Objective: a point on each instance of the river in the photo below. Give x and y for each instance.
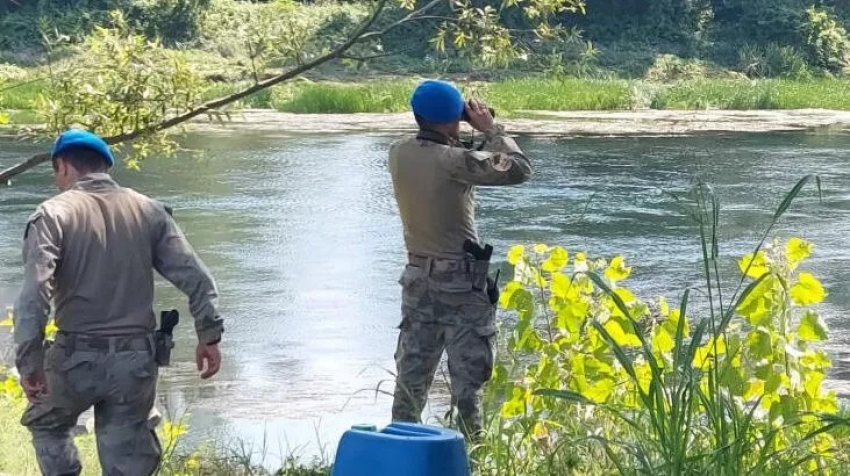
(305, 242)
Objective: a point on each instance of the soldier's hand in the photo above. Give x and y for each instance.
(479, 115)
(35, 387)
(210, 355)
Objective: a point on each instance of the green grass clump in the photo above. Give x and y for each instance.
(559, 94)
(324, 98)
(20, 95)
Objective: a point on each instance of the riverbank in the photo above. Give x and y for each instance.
(549, 123)
(537, 123)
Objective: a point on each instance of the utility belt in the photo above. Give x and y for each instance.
(158, 343)
(72, 342)
(476, 263)
(438, 265)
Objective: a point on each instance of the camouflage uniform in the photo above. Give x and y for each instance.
(442, 309)
(92, 251)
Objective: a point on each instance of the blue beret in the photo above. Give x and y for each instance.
(75, 138)
(437, 101)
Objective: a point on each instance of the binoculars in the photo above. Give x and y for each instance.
(465, 117)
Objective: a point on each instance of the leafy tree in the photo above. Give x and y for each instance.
(148, 91)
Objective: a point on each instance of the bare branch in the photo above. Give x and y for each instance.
(359, 35)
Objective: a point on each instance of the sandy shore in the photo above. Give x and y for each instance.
(569, 123)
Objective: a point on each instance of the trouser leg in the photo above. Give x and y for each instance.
(126, 441)
(471, 356)
(50, 427)
(420, 346)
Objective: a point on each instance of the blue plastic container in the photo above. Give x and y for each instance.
(401, 449)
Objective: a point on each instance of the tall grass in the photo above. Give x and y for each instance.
(755, 94)
(513, 95)
(558, 94)
(374, 97)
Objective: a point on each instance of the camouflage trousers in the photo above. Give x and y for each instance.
(120, 382)
(441, 311)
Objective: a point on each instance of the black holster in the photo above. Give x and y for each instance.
(479, 267)
(164, 344)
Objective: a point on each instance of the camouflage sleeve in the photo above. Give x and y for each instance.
(501, 162)
(177, 262)
(41, 253)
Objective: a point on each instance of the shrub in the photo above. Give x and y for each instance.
(601, 381)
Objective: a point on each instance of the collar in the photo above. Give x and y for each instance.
(439, 138)
(95, 181)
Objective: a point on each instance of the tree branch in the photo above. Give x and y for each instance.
(414, 15)
(375, 56)
(359, 35)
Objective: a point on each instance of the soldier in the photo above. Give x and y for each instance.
(91, 250)
(434, 179)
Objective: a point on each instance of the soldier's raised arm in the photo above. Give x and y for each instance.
(500, 162)
(41, 255)
(177, 262)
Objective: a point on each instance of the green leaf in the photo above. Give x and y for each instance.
(571, 316)
(515, 254)
(756, 306)
(812, 327)
(813, 383)
(796, 250)
(515, 406)
(564, 395)
(808, 290)
(507, 294)
(558, 258)
(755, 388)
(621, 335)
(662, 341)
(560, 285)
(760, 344)
(617, 270)
(4, 118)
(754, 266)
(600, 390)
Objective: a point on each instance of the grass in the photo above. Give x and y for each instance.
(16, 452)
(513, 95)
(17, 457)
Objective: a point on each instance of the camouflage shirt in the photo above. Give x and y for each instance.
(435, 183)
(92, 251)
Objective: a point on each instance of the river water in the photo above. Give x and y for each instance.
(304, 240)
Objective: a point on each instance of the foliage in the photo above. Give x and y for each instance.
(772, 61)
(672, 68)
(277, 34)
(124, 83)
(601, 381)
(826, 39)
(172, 21)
